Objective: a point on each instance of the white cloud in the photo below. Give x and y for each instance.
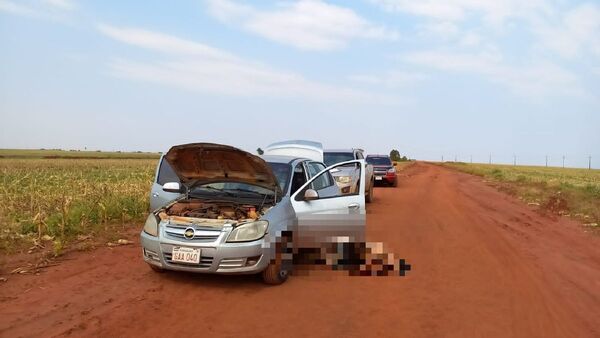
(17, 9)
(493, 12)
(197, 67)
(470, 39)
(539, 79)
(163, 43)
(441, 29)
(577, 30)
(306, 24)
(47, 9)
(392, 79)
(61, 4)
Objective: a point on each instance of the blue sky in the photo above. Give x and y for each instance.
(430, 78)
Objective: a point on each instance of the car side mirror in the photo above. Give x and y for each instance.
(311, 195)
(395, 164)
(173, 187)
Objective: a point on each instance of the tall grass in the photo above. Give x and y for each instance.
(563, 190)
(62, 198)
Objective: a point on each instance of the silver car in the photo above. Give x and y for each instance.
(235, 211)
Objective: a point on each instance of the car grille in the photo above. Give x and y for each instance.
(205, 262)
(202, 236)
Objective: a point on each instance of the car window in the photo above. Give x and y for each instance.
(166, 173)
(282, 173)
(322, 181)
(379, 160)
(331, 158)
(298, 178)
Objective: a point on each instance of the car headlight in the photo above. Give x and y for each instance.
(391, 171)
(151, 225)
(248, 231)
(343, 179)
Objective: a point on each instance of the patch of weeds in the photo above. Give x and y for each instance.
(497, 174)
(57, 247)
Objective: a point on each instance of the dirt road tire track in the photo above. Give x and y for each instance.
(483, 264)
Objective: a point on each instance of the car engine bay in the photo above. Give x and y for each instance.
(215, 210)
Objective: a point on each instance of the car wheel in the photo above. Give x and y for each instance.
(278, 270)
(369, 197)
(395, 184)
(274, 275)
(156, 268)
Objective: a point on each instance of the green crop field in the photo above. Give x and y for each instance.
(74, 154)
(63, 198)
(568, 191)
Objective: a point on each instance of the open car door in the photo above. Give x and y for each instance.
(324, 214)
(164, 173)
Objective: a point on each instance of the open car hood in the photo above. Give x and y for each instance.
(201, 163)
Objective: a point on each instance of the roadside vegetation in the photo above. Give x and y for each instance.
(402, 165)
(564, 191)
(59, 199)
(74, 154)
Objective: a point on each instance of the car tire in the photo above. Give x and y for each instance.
(273, 275)
(395, 184)
(156, 268)
(369, 197)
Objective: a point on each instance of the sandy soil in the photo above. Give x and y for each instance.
(483, 265)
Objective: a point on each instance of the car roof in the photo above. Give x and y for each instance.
(298, 142)
(281, 158)
(375, 155)
(347, 150)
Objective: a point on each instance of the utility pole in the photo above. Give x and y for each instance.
(442, 158)
(546, 161)
(590, 162)
(563, 161)
(490, 158)
(515, 160)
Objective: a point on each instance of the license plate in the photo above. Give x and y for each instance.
(185, 255)
(378, 178)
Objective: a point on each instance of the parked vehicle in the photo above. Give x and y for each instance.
(296, 148)
(234, 209)
(346, 177)
(383, 169)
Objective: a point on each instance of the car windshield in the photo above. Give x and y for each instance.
(282, 173)
(231, 188)
(381, 160)
(333, 158)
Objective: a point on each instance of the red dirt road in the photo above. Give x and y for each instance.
(483, 265)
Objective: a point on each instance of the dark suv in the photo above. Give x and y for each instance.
(383, 169)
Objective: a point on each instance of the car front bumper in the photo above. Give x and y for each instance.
(216, 257)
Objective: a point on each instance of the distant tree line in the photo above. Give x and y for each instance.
(395, 156)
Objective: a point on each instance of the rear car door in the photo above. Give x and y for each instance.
(164, 174)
